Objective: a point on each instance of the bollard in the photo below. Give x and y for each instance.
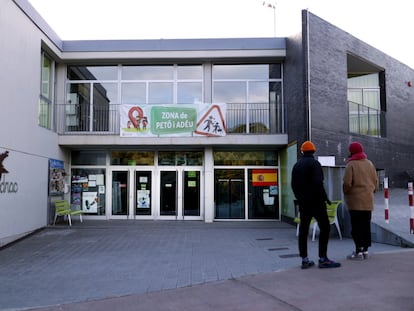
(410, 202)
(386, 211)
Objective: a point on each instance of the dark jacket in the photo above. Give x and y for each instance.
(307, 181)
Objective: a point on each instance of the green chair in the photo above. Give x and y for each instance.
(332, 210)
(296, 220)
(62, 208)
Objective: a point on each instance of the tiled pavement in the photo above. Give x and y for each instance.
(106, 259)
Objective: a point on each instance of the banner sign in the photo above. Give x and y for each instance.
(173, 120)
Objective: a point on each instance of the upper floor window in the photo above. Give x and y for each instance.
(253, 94)
(169, 84)
(46, 91)
(366, 106)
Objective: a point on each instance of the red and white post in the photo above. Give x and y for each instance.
(386, 211)
(410, 202)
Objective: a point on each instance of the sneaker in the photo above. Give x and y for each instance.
(307, 264)
(365, 254)
(356, 256)
(327, 263)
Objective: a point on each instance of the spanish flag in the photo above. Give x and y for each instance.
(264, 177)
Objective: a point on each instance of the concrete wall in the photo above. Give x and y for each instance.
(29, 145)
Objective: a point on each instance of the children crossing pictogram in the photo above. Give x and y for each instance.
(212, 123)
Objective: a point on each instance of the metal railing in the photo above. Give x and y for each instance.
(364, 120)
(241, 118)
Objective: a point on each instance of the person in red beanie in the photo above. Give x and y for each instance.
(359, 185)
(307, 185)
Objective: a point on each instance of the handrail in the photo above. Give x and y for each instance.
(241, 118)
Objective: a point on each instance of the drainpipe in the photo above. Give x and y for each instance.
(308, 98)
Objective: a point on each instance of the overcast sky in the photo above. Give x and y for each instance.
(386, 25)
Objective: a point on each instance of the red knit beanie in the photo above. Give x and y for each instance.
(356, 147)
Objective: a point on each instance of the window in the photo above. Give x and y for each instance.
(46, 92)
(364, 105)
(244, 158)
(169, 84)
(253, 97)
(366, 97)
(91, 107)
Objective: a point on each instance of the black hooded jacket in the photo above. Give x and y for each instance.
(307, 181)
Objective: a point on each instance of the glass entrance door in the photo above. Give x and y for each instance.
(191, 193)
(229, 194)
(168, 193)
(120, 195)
(143, 193)
(180, 194)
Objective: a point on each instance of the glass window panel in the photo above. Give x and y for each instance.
(372, 99)
(275, 71)
(189, 92)
(258, 92)
(276, 112)
(229, 92)
(134, 93)
(92, 72)
(258, 107)
(166, 158)
(236, 158)
(190, 72)
(229, 196)
(263, 199)
(44, 113)
(374, 122)
(364, 81)
(236, 118)
(132, 158)
(363, 120)
(364, 104)
(46, 93)
(353, 117)
(105, 96)
(46, 90)
(85, 190)
(160, 93)
(355, 95)
(181, 158)
(234, 95)
(241, 72)
(77, 110)
(88, 157)
(147, 72)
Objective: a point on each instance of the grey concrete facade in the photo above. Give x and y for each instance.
(322, 68)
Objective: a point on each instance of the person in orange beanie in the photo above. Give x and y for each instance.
(307, 185)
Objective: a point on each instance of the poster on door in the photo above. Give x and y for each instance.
(89, 202)
(173, 120)
(143, 198)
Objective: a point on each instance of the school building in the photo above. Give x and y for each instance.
(189, 129)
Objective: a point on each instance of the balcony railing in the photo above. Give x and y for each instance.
(364, 120)
(251, 118)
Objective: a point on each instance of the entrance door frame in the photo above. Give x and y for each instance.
(131, 192)
(180, 192)
(156, 192)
